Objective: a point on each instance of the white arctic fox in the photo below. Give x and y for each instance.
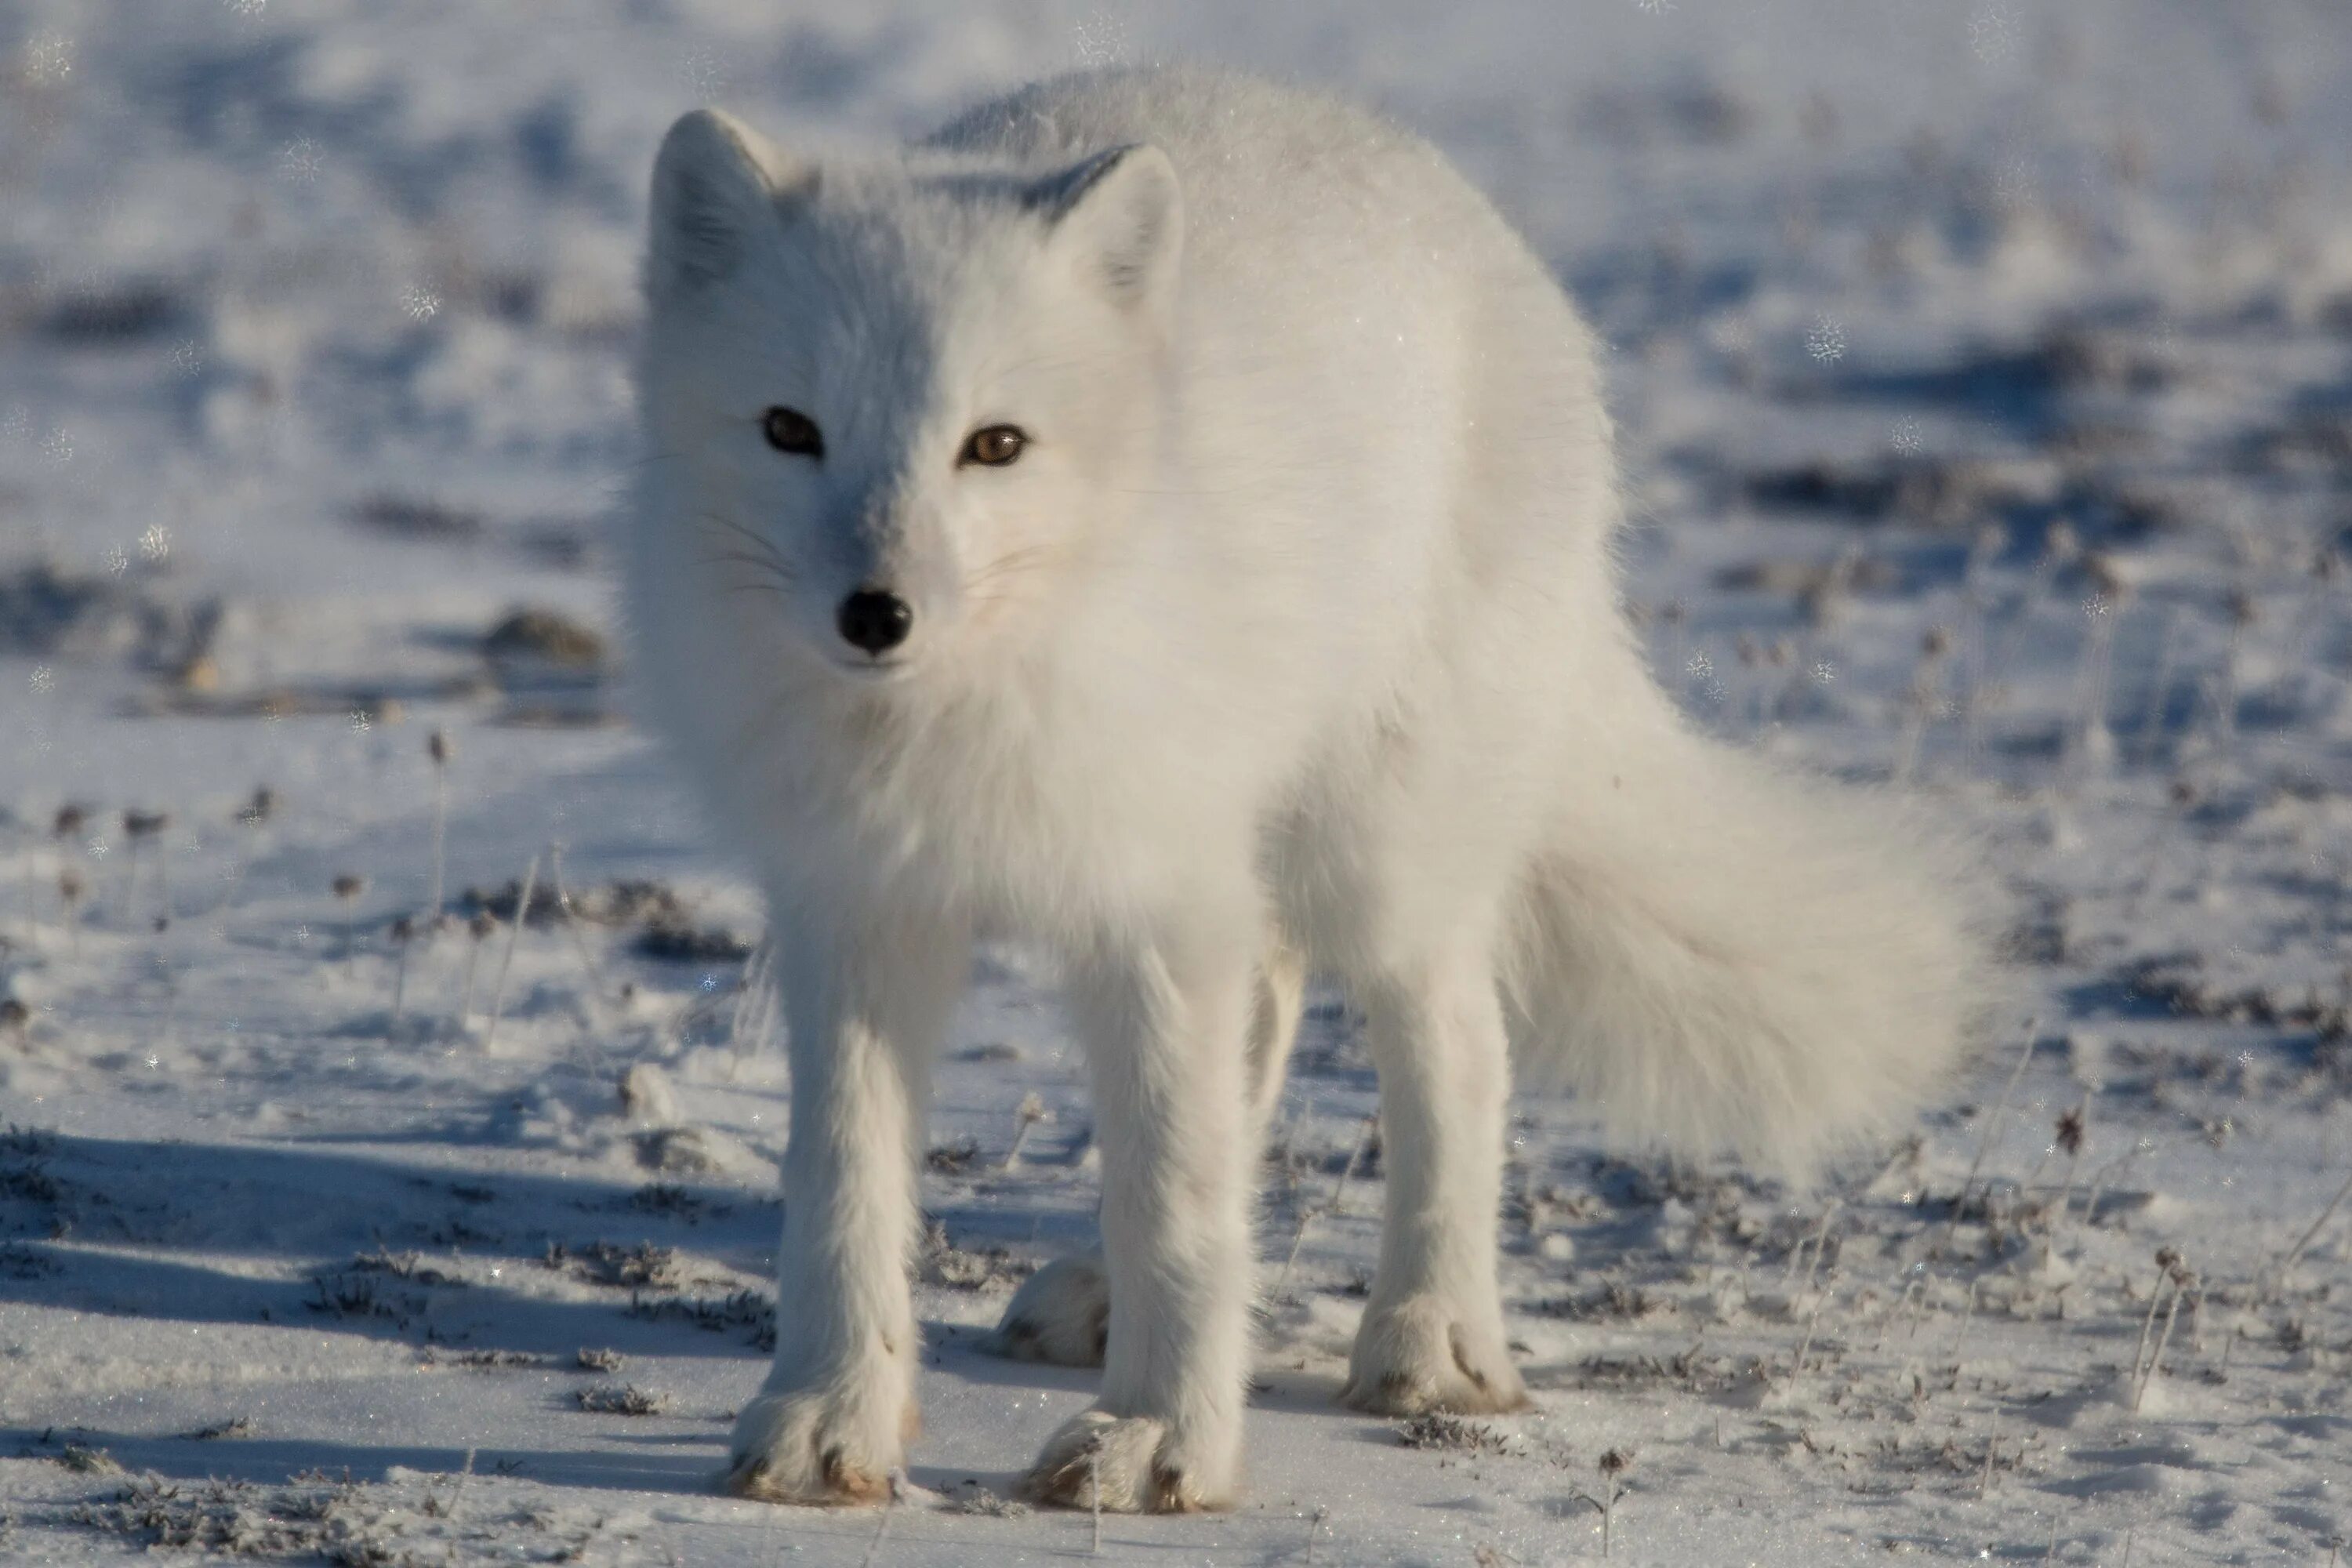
(1168, 517)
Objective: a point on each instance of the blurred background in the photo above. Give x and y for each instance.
(314, 317)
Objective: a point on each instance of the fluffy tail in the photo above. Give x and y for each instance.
(1726, 953)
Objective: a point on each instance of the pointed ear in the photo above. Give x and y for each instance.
(1119, 216)
(716, 181)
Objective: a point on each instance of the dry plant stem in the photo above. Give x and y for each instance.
(1338, 1192)
(2295, 1252)
(2225, 694)
(433, 904)
(1355, 1155)
(2066, 1192)
(2146, 1329)
(1314, 1523)
(1992, 1126)
(2107, 1173)
(741, 1024)
(32, 898)
(571, 924)
(1973, 633)
(2164, 1338)
(1968, 1317)
(2160, 688)
(1797, 1367)
(2043, 570)
(1093, 1489)
(2098, 659)
(889, 1507)
(1902, 1299)
(466, 1003)
(1820, 1243)
(1918, 703)
(130, 883)
(1290, 1141)
(514, 936)
(1919, 1306)
(399, 983)
(1030, 1111)
(1306, 1212)
(2152, 717)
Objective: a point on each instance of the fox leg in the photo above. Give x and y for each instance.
(1166, 1022)
(866, 1008)
(1061, 1314)
(1433, 1338)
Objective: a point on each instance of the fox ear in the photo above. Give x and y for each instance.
(1120, 217)
(716, 181)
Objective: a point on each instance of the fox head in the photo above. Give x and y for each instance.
(889, 402)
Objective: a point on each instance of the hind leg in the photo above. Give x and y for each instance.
(1061, 1314)
(1432, 1337)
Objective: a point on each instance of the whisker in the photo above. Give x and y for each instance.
(766, 547)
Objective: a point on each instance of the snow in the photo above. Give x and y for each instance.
(313, 323)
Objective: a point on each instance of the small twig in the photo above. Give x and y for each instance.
(2179, 1289)
(1919, 1305)
(1030, 1111)
(1613, 1464)
(1967, 1317)
(1797, 1367)
(480, 927)
(403, 930)
(1821, 1241)
(437, 747)
(1992, 1126)
(2147, 1331)
(514, 936)
(2295, 1252)
(1355, 1155)
(571, 924)
(2176, 1274)
(464, 1475)
(1094, 1487)
(889, 1505)
(70, 891)
(1306, 1216)
(2160, 687)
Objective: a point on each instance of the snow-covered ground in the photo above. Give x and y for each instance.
(1985, 371)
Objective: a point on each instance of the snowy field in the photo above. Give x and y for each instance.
(1985, 375)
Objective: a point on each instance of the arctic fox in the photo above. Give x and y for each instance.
(1168, 516)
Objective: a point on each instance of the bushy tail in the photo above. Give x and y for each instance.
(1728, 954)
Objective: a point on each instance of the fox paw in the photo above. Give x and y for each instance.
(818, 1447)
(1420, 1355)
(1060, 1315)
(1128, 1464)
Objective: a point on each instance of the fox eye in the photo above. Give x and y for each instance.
(993, 446)
(790, 430)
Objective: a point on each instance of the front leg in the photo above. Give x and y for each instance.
(1433, 1336)
(1061, 1314)
(1165, 1022)
(866, 1004)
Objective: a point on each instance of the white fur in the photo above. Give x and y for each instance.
(1292, 640)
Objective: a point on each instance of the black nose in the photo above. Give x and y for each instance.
(875, 620)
